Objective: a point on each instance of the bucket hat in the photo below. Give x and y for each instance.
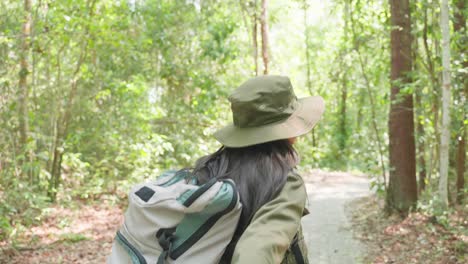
(265, 109)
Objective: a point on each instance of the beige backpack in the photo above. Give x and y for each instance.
(174, 220)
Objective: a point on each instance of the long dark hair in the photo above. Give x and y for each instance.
(259, 171)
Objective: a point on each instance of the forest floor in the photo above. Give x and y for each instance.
(81, 234)
(418, 238)
(347, 218)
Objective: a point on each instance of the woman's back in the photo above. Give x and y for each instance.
(259, 172)
(258, 155)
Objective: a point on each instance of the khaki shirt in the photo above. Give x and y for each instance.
(273, 226)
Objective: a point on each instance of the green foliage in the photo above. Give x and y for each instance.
(21, 205)
(152, 79)
(148, 78)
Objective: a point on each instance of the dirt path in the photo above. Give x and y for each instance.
(327, 227)
(84, 234)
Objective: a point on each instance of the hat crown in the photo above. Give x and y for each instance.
(262, 100)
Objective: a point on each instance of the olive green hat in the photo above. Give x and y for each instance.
(265, 109)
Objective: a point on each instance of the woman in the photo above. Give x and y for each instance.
(258, 155)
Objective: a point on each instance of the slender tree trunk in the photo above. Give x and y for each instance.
(461, 167)
(55, 112)
(62, 129)
(359, 115)
(56, 147)
(445, 135)
(255, 36)
(255, 45)
(344, 85)
(371, 100)
(23, 88)
(245, 14)
(342, 130)
(374, 118)
(459, 27)
(435, 94)
(307, 48)
(307, 54)
(264, 28)
(420, 132)
(402, 190)
(421, 144)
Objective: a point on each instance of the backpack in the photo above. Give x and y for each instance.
(174, 220)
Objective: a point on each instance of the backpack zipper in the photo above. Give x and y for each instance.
(192, 198)
(133, 252)
(177, 252)
(175, 178)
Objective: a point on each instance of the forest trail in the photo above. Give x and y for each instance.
(327, 227)
(84, 234)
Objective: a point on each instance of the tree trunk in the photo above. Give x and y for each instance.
(307, 54)
(264, 29)
(253, 4)
(307, 48)
(255, 37)
(246, 14)
(459, 27)
(342, 123)
(402, 189)
(362, 64)
(23, 88)
(420, 132)
(359, 115)
(435, 102)
(421, 144)
(62, 128)
(461, 166)
(344, 87)
(445, 135)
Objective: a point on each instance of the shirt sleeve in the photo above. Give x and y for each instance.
(273, 226)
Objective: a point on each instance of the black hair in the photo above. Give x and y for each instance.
(259, 171)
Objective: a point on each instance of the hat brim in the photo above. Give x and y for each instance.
(308, 112)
